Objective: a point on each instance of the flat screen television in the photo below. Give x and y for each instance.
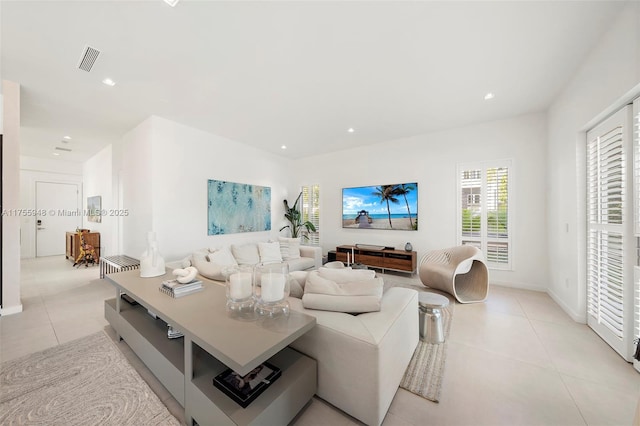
(381, 207)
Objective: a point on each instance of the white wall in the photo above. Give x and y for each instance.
(431, 161)
(611, 70)
(166, 166)
(132, 160)
(11, 198)
(98, 180)
(34, 170)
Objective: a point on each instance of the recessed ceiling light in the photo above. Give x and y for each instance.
(171, 3)
(67, 138)
(351, 130)
(489, 96)
(283, 147)
(55, 153)
(109, 82)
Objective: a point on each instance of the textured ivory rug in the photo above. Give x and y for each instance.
(84, 382)
(424, 374)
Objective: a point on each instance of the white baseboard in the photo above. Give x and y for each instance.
(581, 318)
(518, 286)
(11, 310)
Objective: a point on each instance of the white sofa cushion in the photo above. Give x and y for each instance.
(355, 287)
(336, 303)
(296, 283)
(341, 275)
(300, 264)
(269, 252)
(246, 254)
(357, 296)
(213, 265)
(289, 247)
(222, 256)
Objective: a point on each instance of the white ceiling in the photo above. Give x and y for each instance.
(298, 73)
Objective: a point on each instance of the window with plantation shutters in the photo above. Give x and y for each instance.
(484, 216)
(609, 276)
(311, 212)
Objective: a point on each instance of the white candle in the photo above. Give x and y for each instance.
(272, 287)
(240, 285)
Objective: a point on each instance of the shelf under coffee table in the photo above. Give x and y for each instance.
(212, 342)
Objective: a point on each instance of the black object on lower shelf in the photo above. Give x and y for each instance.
(245, 389)
(128, 298)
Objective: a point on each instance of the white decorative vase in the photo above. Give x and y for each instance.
(271, 287)
(240, 294)
(151, 263)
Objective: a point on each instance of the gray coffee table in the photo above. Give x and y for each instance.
(212, 342)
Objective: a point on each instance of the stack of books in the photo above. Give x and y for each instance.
(244, 389)
(175, 289)
(172, 333)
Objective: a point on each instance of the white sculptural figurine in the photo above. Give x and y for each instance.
(151, 263)
(185, 275)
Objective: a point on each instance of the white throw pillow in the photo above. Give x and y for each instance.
(346, 304)
(359, 296)
(364, 287)
(246, 254)
(222, 256)
(270, 252)
(289, 248)
(213, 265)
(342, 275)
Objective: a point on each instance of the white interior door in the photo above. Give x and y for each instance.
(56, 200)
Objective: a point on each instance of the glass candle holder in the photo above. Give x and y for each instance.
(240, 299)
(271, 288)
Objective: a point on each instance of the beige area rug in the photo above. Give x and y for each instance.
(425, 372)
(84, 382)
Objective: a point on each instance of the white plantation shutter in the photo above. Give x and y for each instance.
(636, 221)
(311, 212)
(497, 184)
(636, 168)
(484, 217)
(609, 283)
(636, 308)
(471, 202)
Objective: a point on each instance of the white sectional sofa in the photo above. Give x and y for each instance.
(362, 358)
(211, 262)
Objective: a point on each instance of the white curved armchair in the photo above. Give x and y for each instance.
(460, 271)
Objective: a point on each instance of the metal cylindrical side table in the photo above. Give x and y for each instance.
(430, 314)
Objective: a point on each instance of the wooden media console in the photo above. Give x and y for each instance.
(393, 260)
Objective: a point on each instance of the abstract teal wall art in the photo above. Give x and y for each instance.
(237, 207)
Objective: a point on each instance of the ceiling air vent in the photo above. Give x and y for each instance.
(63, 149)
(88, 58)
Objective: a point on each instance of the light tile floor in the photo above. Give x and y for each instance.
(517, 359)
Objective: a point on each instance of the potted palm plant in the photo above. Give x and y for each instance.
(297, 227)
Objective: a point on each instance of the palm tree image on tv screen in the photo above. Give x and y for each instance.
(381, 207)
